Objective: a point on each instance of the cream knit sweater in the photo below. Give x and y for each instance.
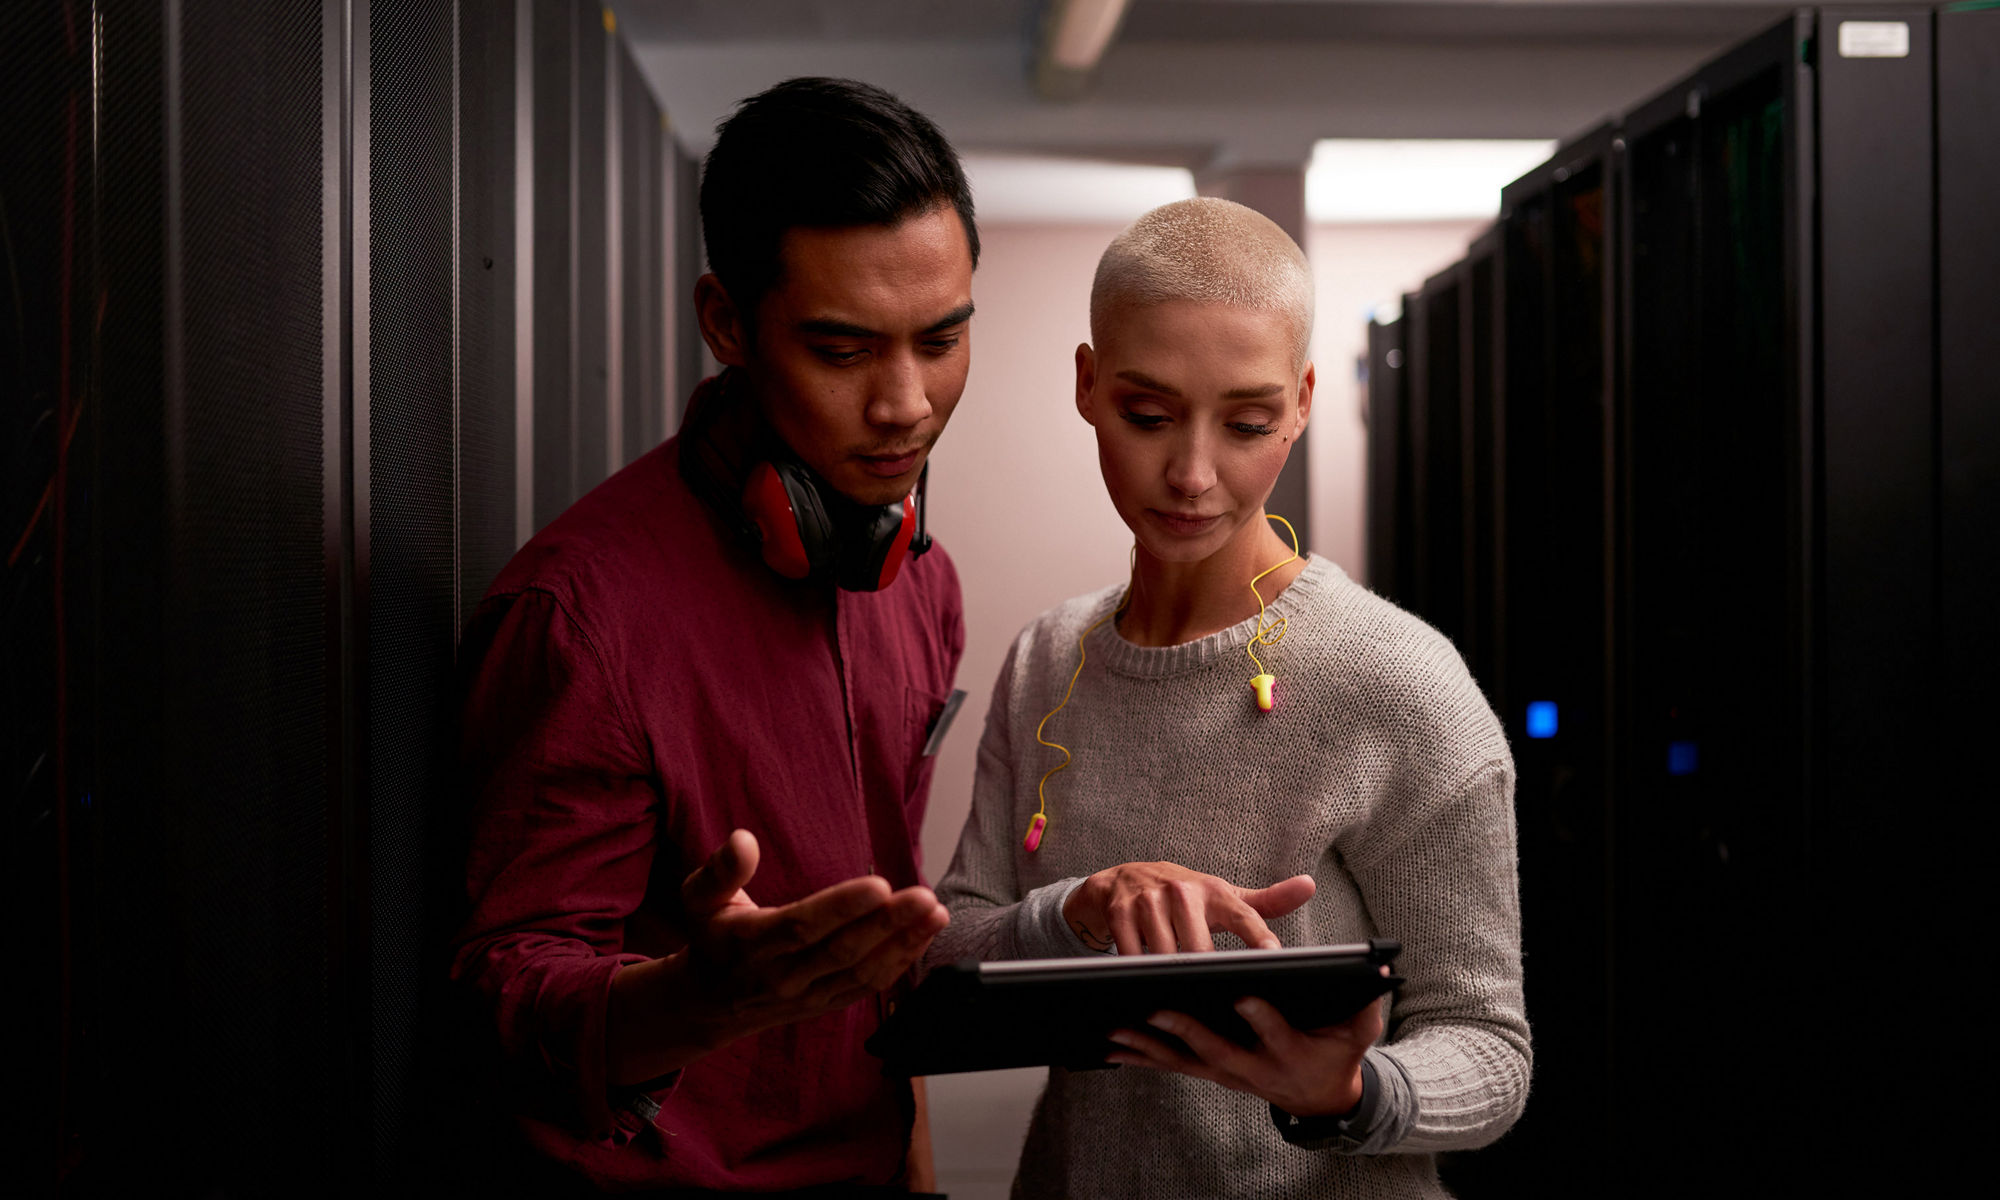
(1382, 773)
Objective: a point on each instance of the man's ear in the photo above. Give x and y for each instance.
(722, 325)
(1086, 379)
(1305, 402)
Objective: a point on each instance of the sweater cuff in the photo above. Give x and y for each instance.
(1331, 1132)
(1378, 1122)
(1039, 928)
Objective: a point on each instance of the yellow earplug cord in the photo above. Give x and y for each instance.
(1273, 633)
(1266, 635)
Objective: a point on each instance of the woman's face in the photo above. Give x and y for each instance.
(1195, 407)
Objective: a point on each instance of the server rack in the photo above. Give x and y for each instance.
(1717, 480)
(1780, 545)
(1481, 464)
(1559, 297)
(1745, 459)
(274, 324)
(1392, 544)
(1481, 461)
(1968, 177)
(1437, 451)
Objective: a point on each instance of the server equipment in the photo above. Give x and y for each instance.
(1392, 543)
(1558, 285)
(1434, 457)
(285, 280)
(1745, 463)
(1481, 461)
(1437, 446)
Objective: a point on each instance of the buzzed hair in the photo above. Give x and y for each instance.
(1207, 250)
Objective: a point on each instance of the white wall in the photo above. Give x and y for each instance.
(1015, 493)
(1018, 502)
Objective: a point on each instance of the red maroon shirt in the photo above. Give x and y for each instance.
(641, 685)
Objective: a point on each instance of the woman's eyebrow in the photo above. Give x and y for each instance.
(1151, 384)
(1262, 391)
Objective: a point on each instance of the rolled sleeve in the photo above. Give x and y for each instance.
(561, 838)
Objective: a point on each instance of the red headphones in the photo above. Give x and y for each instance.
(802, 527)
(805, 528)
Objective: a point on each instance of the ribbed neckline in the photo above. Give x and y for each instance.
(1158, 662)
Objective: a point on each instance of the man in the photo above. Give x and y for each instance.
(697, 782)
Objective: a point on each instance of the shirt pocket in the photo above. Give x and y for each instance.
(922, 707)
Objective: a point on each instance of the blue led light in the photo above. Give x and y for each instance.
(1541, 718)
(1683, 758)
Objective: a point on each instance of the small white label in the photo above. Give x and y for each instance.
(1874, 39)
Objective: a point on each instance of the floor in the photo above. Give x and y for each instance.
(977, 1123)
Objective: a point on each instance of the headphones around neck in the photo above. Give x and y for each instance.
(806, 529)
(802, 527)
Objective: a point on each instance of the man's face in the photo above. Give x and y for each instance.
(860, 351)
(1196, 407)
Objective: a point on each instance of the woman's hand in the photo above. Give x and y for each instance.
(1308, 1073)
(1161, 907)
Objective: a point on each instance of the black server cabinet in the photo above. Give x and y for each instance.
(640, 404)
(1437, 452)
(1558, 307)
(1745, 477)
(1481, 463)
(490, 283)
(553, 100)
(1968, 179)
(1392, 544)
(261, 439)
(590, 229)
(690, 262)
(1780, 560)
(1450, 457)
(1715, 478)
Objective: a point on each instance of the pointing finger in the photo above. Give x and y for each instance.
(1243, 921)
(1280, 898)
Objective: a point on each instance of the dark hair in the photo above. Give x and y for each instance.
(819, 153)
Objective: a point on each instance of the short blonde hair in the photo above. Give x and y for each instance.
(1207, 250)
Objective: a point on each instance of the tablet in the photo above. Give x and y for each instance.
(986, 1016)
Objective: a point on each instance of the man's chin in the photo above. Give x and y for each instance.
(864, 488)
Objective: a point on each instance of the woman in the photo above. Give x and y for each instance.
(1160, 752)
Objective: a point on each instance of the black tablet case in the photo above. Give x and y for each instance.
(1058, 1012)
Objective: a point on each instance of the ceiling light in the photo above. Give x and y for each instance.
(1358, 180)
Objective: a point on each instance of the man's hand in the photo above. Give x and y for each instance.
(1161, 907)
(1308, 1073)
(747, 968)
